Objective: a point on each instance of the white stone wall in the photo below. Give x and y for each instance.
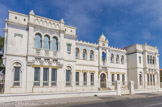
(20, 33)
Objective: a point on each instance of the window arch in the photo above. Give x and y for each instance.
(84, 54)
(54, 43)
(91, 55)
(17, 73)
(122, 59)
(112, 58)
(38, 41)
(117, 59)
(77, 53)
(68, 76)
(46, 42)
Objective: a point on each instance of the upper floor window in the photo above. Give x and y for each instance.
(122, 59)
(38, 41)
(84, 54)
(148, 59)
(77, 53)
(112, 58)
(46, 42)
(69, 48)
(153, 61)
(140, 59)
(54, 44)
(103, 56)
(91, 55)
(117, 59)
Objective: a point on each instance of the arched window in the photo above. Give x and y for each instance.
(103, 56)
(77, 53)
(68, 76)
(112, 58)
(148, 59)
(17, 74)
(153, 61)
(54, 44)
(117, 59)
(46, 42)
(91, 55)
(84, 54)
(122, 59)
(38, 41)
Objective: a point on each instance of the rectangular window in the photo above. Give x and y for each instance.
(148, 79)
(77, 78)
(77, 55)
(112, 77)
(85, 78)
(151, 79)
(17, 76)
(45, 76)
(118, 77)
(54, 77)
(154, 79)
(140, 59)
(92, 78)
(123, 79)
(69, 48)
(36, 76)
(148, 59)
(68, 78)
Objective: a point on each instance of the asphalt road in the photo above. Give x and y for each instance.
(142, 102)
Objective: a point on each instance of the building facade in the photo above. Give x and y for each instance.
(44, 55)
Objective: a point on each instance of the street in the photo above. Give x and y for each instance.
(137, 100)
(141, 102)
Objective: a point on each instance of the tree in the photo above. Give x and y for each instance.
(1, 48)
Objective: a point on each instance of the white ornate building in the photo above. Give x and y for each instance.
(43, 55)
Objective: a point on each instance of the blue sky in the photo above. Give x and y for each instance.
(124, 22)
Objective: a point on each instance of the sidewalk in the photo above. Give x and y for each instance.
(76, 100)
(42, 96)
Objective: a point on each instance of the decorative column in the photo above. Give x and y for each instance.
(41, 76)
(118, 87)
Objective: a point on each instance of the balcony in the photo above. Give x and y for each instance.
(46, 53)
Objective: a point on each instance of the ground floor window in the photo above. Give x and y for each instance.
(112, 79)
(77, 78)
(53, 77)
(16, 76)
(68, 77)
(45, 76)
(140, 79)
(148, 79)
(92, 78)
(123, 79)
(153, 79)
(85, 78)
(36, 76)
(118, 77)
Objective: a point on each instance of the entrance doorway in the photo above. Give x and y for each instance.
(103, 80)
